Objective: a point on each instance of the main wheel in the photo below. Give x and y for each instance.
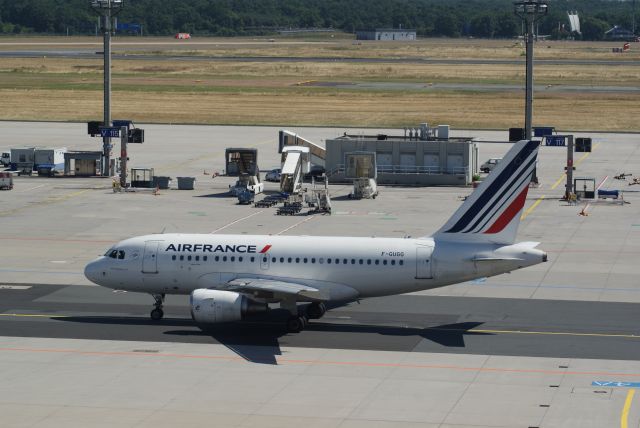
(157, 314)
(316, 310)
(296, 324)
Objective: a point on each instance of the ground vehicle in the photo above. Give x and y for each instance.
(6, 181)
(316, 171)
(22, 160)
(5, 160)
(489, 165)
(49, 161)
(246, 182)
(273, 175)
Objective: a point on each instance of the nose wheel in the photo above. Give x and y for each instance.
(157, 313)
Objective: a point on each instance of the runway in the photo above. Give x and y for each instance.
(485, 326)
(96, 53)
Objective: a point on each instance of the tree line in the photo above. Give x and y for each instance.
(430, 18)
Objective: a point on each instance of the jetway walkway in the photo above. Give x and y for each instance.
(317, 154)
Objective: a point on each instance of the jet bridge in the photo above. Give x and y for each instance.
(239, 161)
(295, 163)
(317, 154)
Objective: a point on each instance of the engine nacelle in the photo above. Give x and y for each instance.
(216, 306)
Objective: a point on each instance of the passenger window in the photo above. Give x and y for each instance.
(297, 259)
(173, 257)
(224, 258)
(289, 260)
(401, 262)
(344, 261)
(233, 259)
(328, 261)
(253, 259)
(197, 258)
(377, 261)
(181, 257)
(264, 259)
(368, 261)
(273, 259)
(337, 261)
(393, 262)
(217, 258)
(281, 259)
(313, 260)
(384, 262)
(361, 261)
(204, 258)
(189, 258)
(353, 261)
(305, 260)
(240, 259)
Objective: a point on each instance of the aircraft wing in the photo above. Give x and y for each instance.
(275, 287)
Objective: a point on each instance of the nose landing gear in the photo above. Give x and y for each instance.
(157, 313)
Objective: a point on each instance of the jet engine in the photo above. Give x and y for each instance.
(216, 306)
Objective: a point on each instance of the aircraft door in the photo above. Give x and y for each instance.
(150, 258)
(423, 263)
(264, 261)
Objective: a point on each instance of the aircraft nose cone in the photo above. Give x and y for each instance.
(91, 271)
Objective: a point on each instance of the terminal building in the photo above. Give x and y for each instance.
(422, 157)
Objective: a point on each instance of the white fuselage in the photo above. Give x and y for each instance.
(343, 268)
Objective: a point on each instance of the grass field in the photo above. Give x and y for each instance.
(276, 93)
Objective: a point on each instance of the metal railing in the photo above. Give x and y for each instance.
(409, 169)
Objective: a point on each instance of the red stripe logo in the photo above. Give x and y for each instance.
(508, 214)
(265, 249)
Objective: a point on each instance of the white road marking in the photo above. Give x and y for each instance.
(234, 222)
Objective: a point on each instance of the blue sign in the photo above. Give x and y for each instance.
(110, 132)
(612, 384)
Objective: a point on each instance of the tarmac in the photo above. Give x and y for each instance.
(555, 345)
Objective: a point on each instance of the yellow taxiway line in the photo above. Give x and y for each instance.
(624, 418)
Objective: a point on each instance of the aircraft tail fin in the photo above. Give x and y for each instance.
(491, 214)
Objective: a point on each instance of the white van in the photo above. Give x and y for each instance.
(490, 164)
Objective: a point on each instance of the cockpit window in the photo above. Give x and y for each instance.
(115, 254)
(108, 253)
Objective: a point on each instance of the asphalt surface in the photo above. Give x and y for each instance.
(93, 53)
(509, 327)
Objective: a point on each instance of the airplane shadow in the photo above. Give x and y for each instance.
(258, 341)
(222, 195)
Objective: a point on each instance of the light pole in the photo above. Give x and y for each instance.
(107, 9)
(529, 11)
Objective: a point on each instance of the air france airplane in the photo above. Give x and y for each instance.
(231, 277)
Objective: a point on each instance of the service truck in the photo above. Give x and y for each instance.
(49, 161)
(5, 160)
(22, 160)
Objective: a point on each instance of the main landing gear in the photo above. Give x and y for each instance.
(299, 320)
(157, 313)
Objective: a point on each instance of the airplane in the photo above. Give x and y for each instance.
(232, 277)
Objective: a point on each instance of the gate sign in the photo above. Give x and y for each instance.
(110, 132)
